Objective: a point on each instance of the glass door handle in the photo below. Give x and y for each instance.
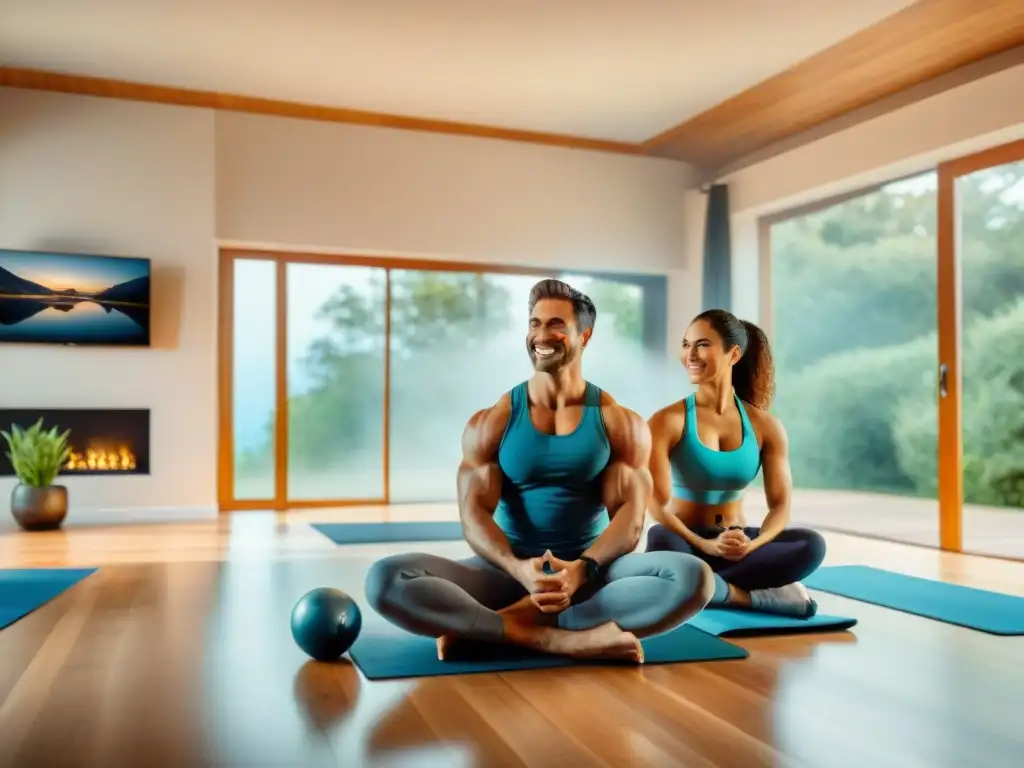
(943, 375)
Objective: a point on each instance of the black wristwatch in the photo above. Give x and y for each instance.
(594, 569)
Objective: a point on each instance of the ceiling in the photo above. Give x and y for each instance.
(622, 70)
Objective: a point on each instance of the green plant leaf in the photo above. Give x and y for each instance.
(37, 455)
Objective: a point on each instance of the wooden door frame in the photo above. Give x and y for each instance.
(225, 439)
(950, 311)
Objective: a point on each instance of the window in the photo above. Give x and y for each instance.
(990, 219)
(252, 378)
(385, 365)
(854, 303)
(335, 381)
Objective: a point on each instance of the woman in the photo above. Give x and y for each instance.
(707, 449)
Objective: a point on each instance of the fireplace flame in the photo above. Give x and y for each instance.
(121, 460)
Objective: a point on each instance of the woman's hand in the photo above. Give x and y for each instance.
(729, 545)
(735, 544)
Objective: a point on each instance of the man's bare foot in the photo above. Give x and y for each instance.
(526, 612)
(523, 612)
(607, 641)
(444, 647)
(528, 626)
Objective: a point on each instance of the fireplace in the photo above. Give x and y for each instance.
(103, 441)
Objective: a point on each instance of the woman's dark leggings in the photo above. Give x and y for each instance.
(791, 556)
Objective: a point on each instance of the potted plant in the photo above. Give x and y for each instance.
(37, 457)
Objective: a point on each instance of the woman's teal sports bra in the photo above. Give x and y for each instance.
(706, 476)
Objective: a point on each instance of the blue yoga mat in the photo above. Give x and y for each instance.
(729, 622)
(991, 612)
(381, 533)
(24, 590)
(400, 655)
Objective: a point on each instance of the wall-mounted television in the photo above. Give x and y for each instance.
(74, 298)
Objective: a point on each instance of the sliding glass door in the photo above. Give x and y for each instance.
(252, 360)
(981, 352)
(303, 370)
(350, 380)
(336, 342)
(897, 320)
(853, 297)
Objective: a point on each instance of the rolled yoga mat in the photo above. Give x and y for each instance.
(384, 533)
(991, 612)
(24, 590)
(402, 655)
(729, 622)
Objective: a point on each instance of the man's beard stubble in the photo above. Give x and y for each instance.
(559, 359)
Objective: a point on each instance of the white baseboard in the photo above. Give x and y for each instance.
(78, 516)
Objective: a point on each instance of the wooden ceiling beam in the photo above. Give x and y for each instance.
(32, 79)
(920, 43)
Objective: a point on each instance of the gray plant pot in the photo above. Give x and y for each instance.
(39, 509)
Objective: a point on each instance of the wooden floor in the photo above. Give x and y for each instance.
(178, 653)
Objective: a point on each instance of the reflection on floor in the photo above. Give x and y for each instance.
(179, 650)
(995, 531)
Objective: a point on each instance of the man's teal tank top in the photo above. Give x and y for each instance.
(551, 490)
(706, 476)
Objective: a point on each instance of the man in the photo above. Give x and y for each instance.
(553, 489)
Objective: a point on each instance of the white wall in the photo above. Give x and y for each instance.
(915, 138)
(362, 189)
(106, 176)
(121, 178)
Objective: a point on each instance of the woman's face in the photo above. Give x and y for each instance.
(703, 354)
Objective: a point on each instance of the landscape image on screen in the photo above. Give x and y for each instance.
(54, 298)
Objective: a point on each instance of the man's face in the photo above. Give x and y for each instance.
(554, 340)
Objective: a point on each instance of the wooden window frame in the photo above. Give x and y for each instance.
(227, 256)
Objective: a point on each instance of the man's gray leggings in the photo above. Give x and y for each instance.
(644, 593)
